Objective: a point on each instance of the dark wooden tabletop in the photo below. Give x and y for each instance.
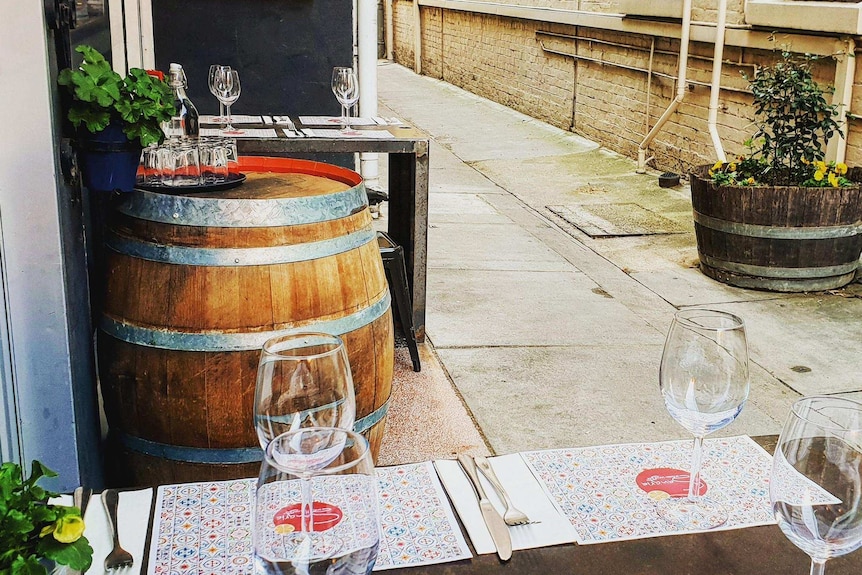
(755, 550)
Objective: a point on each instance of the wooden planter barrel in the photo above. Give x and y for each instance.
(196, 283)
(783, 238)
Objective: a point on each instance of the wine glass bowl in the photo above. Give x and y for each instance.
(816, 482)
(303, 380)
(704, 382)
(316, 504)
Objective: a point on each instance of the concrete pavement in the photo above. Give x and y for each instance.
(552, 337)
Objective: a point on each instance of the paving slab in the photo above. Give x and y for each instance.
(573, 396)
(812, 344)
(494, 308)
(462, 208)
(503, 246)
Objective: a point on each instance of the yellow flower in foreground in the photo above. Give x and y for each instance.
(717, 166)
(68, 528)
(833, 180)
(818, 175)
(841, 168)
(820, 165)
(732, 167)
(750, 181)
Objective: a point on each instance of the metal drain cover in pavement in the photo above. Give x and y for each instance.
(611, 220)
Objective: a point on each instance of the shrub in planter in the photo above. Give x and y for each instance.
(779, 217)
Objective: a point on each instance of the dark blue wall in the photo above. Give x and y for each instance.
(284, 49)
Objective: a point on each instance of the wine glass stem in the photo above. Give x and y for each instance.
(228, 127)
(221, 110)
(818, 567)
(343, 117)
(307, 506)
(694, 474)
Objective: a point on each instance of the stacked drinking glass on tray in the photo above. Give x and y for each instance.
(182, 162)
(184, 159)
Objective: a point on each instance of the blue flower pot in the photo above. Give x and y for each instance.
(109, 160)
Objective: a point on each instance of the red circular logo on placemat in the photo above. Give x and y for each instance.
(324, 516)
(674, 482)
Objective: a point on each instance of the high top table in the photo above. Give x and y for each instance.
(408, 189)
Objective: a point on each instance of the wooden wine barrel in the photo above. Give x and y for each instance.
(196, 283)
(782, 238)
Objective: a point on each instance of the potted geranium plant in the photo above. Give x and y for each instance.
(34, 532)
(779, 217)
(115, 118)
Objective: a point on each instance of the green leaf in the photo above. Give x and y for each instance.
(77, 555)
(27, 566)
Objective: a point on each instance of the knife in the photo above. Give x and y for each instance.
(80, 499)
(493, 520)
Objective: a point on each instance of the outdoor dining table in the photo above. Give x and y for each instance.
(407, 149)
(762, 550)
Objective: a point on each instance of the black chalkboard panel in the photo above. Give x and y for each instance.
(284, 50)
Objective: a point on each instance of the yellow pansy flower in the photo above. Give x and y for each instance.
(68, 528)
(833, 180)
(841, 168)
(820, 165)
(718, 165)
(818, 175)
(750, 181)
(732, 167)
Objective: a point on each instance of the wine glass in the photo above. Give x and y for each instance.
(316, 504)
(228, 94)
(816, 482)
(217, 81)
(704, 382)
(345, 86)
(303, 380)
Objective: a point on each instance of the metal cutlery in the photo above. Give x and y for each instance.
(512, 516)
(493, 520)
(80, 499)
(118, 557)
(292, 127)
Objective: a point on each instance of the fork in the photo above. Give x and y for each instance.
(118, 557)
(291, 126)
(512, 516)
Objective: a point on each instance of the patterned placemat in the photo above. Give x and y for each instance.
(606, 491)
(206, 528)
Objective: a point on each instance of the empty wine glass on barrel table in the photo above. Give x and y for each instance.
(217, 81)
(816, 482)
(345, 86)
(303, 380)
(704, 382)
(228, 93)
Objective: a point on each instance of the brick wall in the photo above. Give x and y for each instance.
(604, 93)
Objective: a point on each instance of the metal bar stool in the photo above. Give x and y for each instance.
(396, 273)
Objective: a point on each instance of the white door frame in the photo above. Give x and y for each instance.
(132, 35)
(37, 416)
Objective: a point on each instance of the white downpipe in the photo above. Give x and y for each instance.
(845, 77)
(715, 89)
(417, 38)
(680, 87)
(389, 29)
(366, 40)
